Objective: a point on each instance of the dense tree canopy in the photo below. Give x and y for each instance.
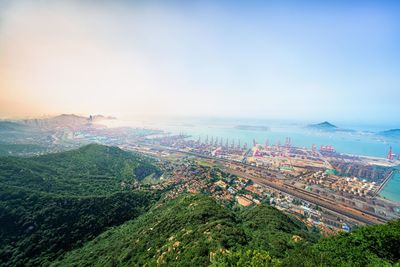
(197, 231)
(90, 170)
(188, 231)
(53, 203)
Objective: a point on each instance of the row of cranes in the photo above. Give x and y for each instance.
(234, 145)
(220, 142)
(391, 156)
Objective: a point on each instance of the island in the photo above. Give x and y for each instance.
(326, 126)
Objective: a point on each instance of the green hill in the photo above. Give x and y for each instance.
(36, 227)
(51, 204)
(90, 170)
(188, 231)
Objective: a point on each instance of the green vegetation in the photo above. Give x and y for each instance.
(38, 227)
(194, 230)
(51, 204)
(188, 231)
(271, 230)
(90, 170)
(253, 258)
(377, 245)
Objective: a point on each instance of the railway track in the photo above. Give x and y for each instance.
(329, 204)
(323, 202)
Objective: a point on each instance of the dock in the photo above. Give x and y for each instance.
(385, 181)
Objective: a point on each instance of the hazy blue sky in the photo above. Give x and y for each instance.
(281, 59)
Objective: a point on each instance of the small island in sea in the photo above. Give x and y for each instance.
(328, 127)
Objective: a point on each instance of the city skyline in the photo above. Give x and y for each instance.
(330, 61)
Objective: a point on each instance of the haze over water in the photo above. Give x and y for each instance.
(363, 141)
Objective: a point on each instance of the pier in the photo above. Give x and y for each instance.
(385, 181)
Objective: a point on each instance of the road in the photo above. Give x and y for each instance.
(327, 203)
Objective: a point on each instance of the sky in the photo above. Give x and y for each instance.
(310, 60)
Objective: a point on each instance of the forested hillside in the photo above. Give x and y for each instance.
(53, 203)
(191, 231)
(377, 245)
(90, 170)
